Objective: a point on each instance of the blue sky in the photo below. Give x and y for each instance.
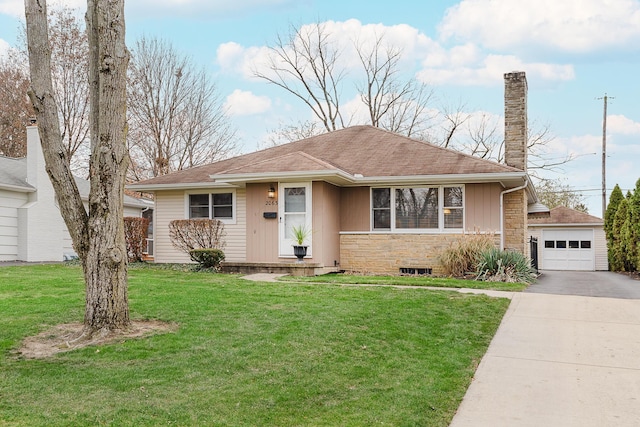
(573, 52)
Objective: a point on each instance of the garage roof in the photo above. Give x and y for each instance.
(561, 215)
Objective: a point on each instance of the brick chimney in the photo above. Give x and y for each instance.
(515, 155)
(515, 119)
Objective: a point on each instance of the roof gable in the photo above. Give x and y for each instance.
(364, 151)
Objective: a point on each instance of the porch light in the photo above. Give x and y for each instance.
(271, 193)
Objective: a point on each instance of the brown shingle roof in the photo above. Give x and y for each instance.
(365, 150)
(564, 215)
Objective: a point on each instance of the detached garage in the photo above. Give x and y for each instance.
(569, 240)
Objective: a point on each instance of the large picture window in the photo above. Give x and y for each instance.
(214, 206)
(418, 208)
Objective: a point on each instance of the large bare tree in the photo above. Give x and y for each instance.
(176, 117)
(69, 75)
(394, 104)
(306, 64)
(15, 108)
(310, 64)
(70, 68)
(98, 235)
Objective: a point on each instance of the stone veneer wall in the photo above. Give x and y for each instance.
(515, 222)
(387, 253)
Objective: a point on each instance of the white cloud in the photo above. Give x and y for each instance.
(342, 35)
(464, 64)
(578, 145)
(622, 125)
(468, 67)
(245, 103)
(237, 59)
(203, 9)
(567, 25)
(15, 8)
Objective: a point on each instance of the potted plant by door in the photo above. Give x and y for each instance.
(300, 234)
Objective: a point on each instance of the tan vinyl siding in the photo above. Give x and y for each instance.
(326, 223)
(482, 205)
(10, 201)
(171, 205)
(262, 233)
(355, 209)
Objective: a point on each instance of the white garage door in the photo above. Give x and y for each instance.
(567, 250)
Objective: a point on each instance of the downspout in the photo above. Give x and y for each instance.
(511, 190)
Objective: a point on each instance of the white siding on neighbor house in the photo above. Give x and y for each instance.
(10, 201)
(171, 205)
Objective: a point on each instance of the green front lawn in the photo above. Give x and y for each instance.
(245, 353)
(438, 282)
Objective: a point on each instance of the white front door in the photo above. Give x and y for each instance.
(294, 209)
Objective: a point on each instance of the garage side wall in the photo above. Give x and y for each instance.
(600, 241)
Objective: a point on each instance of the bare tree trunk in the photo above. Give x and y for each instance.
(99, 236)
(41, 95)
(107, 305)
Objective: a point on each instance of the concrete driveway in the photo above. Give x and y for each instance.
(562, 360)
(587, 283)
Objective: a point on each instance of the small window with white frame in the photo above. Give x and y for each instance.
(219, 205)
(453, 208)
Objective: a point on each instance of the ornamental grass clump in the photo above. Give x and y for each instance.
(504, 266)
(461, 257)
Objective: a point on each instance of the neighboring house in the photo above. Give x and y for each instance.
(31, 226)
(375, 201)
(570, 240)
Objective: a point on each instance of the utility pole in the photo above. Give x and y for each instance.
(604, 154)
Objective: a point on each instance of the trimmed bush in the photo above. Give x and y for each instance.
(461, 257)
(135, 232)
(202, 233)
(504, 266)
(207, 258)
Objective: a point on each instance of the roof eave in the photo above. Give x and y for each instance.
(339, 177)
(17, 188)
(179, 186)
(335, 176)
(506, 179)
